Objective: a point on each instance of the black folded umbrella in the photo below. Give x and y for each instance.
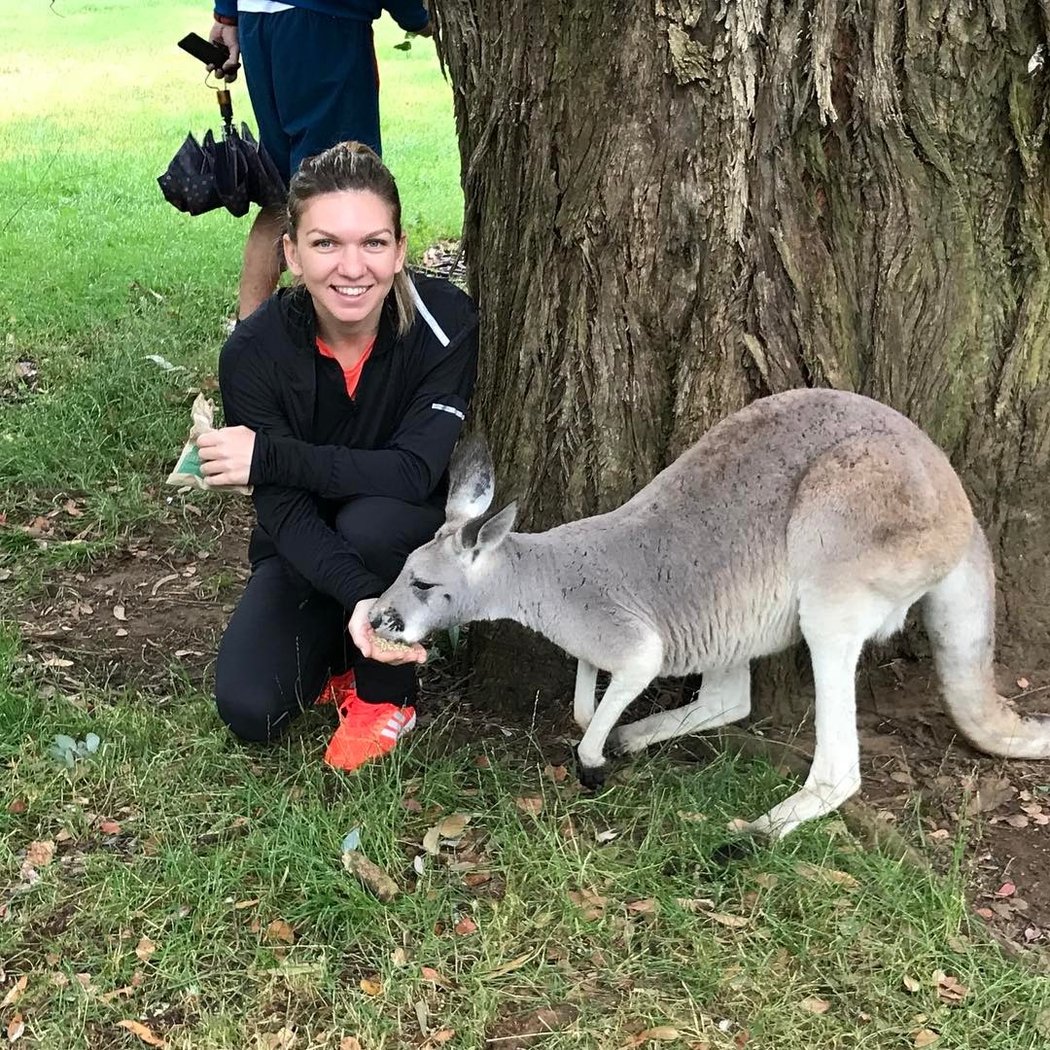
(229, 174)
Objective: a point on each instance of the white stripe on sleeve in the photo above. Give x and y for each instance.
(427, 315)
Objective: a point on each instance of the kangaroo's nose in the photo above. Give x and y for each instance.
(388, 618)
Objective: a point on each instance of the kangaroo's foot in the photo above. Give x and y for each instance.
(591, 777)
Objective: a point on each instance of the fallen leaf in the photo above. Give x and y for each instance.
(450, 828)
(811, 1004)
(1023, 683)
(643, 907)
(949, 989)
(371, 986)
(430, 974)
(606, 836)
(144, 949)
(924, 1037)
(816, 871)
(530, 804)
(15, 1028)
(39, 854)
(119, 613)
(1017, 820)
(109, 827)
(661, 1034)
(1007, 889)
(442, 1035)
(15, 992)
(466, 926)
(482, 761)
(910, 983)
(16, 806)
(349, 1042)
(57, 661)
(279, 930)
(508, 967)
(241, 905)
(735, 922)
(556, 773)
(985, 913)
(140, 1030)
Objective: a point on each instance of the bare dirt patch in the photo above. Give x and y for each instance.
(155, 611)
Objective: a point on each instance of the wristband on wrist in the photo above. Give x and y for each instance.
(225, 20)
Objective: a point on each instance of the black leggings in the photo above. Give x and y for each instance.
(286, 638)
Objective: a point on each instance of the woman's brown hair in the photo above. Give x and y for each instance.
(352, 166)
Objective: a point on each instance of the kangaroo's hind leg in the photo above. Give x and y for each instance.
(724, 697)
(835, 627)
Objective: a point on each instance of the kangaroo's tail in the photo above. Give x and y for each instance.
(960, 617)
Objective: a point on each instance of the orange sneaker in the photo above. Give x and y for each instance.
(338, 688)
(366, 731)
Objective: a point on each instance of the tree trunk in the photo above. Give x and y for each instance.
(676, 206)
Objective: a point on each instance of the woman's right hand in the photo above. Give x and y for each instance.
(364, 637)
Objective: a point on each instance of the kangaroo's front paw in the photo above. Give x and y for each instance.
(591, 777)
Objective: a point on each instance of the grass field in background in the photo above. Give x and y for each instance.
(100, 271)
(173, 888)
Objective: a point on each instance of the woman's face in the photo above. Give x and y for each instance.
(346, 254)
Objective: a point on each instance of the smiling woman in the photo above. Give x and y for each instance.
(345, 396)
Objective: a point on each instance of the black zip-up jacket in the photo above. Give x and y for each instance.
(405, 417)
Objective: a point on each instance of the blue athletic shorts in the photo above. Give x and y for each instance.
(313, 82)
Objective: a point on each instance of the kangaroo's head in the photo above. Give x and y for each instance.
(443, 582)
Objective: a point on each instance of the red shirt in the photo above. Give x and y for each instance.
(351, 375)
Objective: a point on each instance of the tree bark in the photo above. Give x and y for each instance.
(676, 206)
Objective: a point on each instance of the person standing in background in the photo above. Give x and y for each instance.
(313, 81)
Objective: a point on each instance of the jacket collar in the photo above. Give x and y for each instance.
(300, 320)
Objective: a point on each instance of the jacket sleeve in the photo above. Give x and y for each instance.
(289, 516)
(410, 15)
(413, 461)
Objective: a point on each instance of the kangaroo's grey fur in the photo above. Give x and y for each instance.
(813, 514)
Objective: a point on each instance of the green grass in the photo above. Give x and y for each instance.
(211, 843)
(630, 934)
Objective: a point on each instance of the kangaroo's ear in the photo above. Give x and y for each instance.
(470, 481)
(490, 531)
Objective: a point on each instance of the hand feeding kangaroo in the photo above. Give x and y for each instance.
(814, 514)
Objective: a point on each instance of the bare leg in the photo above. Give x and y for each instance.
(724, 697)
(262, 260)
(583, 698)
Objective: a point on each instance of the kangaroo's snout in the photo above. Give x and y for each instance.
(387, 620)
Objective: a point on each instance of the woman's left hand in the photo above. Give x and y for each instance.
(226, 455)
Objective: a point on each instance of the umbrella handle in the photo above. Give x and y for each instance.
(225, 108)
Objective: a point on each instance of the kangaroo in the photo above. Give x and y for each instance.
(815, 514)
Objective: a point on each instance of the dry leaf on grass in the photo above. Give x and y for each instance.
(735, 922)
(814, 872)
(949, 990)
(40, 854)
(371, 986)
(279, 930)
(910, 983)
(144, 949)
(660, 1034)
(137, 1028)
(811, 1004)
(441, 1036)
(924, 1037)
(15, 1028)
(466, 926)
(430, 974)
(349, 1042)
(508, 967)
(448, 829)
(530, 804)
(15, 992)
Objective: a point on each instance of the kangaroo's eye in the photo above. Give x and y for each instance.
(422, 585)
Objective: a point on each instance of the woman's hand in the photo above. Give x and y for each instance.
(364, 638)
(226, 455)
